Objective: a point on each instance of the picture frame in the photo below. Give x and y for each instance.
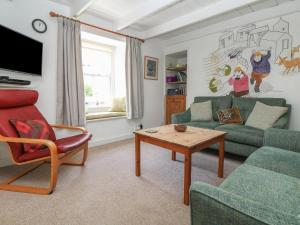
(150, 68)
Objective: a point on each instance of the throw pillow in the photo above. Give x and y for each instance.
(32, 129)
(118, 105)
(264, 116)
(228, 116)
(201, 111)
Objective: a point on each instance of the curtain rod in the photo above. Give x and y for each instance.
(53, 14)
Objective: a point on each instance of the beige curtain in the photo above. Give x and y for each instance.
(70, 86)
(134, 79)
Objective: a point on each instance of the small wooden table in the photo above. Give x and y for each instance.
(186, 143)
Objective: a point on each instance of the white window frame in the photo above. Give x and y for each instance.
(285, 41)
(106, 48)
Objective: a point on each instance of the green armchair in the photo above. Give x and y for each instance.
(265, 190)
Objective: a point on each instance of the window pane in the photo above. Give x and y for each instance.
(96, 61)
(97, 91)
(97, 78)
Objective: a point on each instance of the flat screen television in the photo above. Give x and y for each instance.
(20, 53)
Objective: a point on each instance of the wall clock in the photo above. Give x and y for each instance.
(39, 26)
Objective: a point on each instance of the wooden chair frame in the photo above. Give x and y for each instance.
(54, 159)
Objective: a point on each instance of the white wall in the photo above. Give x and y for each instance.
(153, 89)
(18, 15)
(200, 43)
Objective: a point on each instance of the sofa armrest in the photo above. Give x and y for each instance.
(283, 122)
(215, 206)
(183, 117)
(281, 138)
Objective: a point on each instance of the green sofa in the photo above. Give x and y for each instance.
(265, 190)
(240, 139)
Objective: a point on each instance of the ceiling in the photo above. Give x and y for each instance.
(166, 18)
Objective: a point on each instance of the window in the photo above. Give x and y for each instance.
(285, 44)
(103, 62)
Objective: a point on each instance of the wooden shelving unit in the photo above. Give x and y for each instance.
(175, 100)
(177, 69)
(177, 82)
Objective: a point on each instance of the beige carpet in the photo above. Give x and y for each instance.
(107, 192)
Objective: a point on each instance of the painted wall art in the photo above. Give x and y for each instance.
(245, 58)
(150, 68)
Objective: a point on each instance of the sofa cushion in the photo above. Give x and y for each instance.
(218, 103)
(201, 111)
(242, 134)
(203, 124)
(277, 160)
(269, 188)
(246, 105)
(264, 116)
(230, 116)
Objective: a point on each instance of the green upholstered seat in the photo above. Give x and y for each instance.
(265, 190)
(204, 124)
(269, 188)
(243, 134)
(276, 159)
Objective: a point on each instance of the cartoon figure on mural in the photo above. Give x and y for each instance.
(253, 50)
(261, 68)
(240, 83)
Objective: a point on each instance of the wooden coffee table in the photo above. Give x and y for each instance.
(186, 143)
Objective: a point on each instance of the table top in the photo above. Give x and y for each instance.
(190, 138)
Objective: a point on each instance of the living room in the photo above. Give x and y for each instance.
(111, 78)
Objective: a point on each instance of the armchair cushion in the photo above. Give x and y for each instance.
(32, 129)
(273, 190)
(70, 143)
(17, 98)
(63, 146)
(20, 113)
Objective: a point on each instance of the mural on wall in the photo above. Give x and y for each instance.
(242, 63)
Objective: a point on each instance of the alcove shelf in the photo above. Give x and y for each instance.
(175, 83)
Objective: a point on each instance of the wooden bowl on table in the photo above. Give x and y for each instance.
(180, 127)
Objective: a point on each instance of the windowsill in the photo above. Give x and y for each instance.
(102, 116)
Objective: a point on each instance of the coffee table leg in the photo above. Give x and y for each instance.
(173, 156)
(137, 156)
(221, 158)
(187, 177)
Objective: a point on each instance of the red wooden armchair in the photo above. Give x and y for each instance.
(19, 105)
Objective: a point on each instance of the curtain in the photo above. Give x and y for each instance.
(70, 85)
(134, 79)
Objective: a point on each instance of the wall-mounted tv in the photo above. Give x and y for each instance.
(20, 53)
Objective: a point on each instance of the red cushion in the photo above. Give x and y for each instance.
(19, 113)
(17, 98)
(70, 143)
(63, 145)
(32, 129)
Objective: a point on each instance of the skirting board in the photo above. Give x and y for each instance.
(109, 140)
(6, 161)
